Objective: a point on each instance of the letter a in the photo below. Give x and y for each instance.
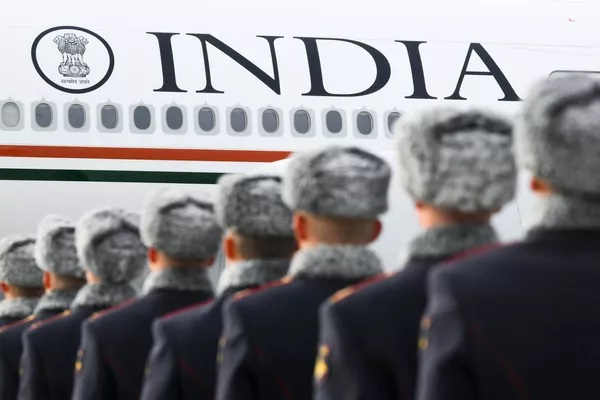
(493, 70)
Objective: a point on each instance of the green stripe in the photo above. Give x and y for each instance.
(9, 174)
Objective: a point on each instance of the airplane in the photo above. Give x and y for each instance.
(102, 103)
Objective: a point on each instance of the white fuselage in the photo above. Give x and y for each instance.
(102, 103)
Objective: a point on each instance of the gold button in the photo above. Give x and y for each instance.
(78, 366)
(423, 343)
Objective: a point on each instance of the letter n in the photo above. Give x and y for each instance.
(271, 82)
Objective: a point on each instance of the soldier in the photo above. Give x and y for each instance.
(270, 336)
(111, 252)
(258, 247)
(183, 237)
(21, 280)
(458, 168)
(522, 322)
(56, 255)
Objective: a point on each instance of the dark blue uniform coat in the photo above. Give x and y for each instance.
(116, 345)
(49, 355)
(7, 320)
(369, 334)
(271, 355)
(366, 351)
(183, 361)
(521, 322)
(11, 348)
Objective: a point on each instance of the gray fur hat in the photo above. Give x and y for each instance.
(558, 134)
(55, 249)
(17, 262)
(182, 225)
(109, 245)
(336, 181)
(458, 160)
(252, 205)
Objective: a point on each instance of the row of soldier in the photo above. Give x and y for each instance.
(303, 308)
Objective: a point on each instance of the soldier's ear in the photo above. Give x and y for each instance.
(152, 255)
(47, 280)
(539, 187)
(230, 248)
(378, 226)
(4, 287)
(300, 226)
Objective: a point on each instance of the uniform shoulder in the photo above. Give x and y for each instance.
(41, 328)
(251, 292)
(477, 251)
(100, 316)
(478, 267)
(7, 329)
(357, 291)
(182, 314)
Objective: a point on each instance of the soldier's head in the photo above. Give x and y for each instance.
(337, 195)
(258, 225)
(180, 229)
(457, 165)
(557, 138)
(56, 254)
(109, 246)
(20, 276)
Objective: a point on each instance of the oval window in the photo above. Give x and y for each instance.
(206, 119)
(142, 118)
(301, 121)
(333, 120)
(270, 121)
(364, 123)
(174, 118)
(76, 116)
(11, 115)
(109, 117)
(239, 120)
(392, 119)
(43, 115)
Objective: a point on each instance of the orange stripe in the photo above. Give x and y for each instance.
(119, 153)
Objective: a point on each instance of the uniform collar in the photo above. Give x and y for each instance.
(103, 295)
(59, 299)
(447, 240)
(335, 262)
(252, 273)
(181, 279)
(559, 213)
(17, 308)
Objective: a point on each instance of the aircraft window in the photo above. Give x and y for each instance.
(109, 117)
(174, 118)
(333, 120)
(76, 116)
(270, 121)
(301, 121)
(142, 118)
(206, 119)
(392, 119)
(43, 115)
(11, 116)
(239, 120)
(364, 123)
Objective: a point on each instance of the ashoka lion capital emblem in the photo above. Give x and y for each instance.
(72, 49)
